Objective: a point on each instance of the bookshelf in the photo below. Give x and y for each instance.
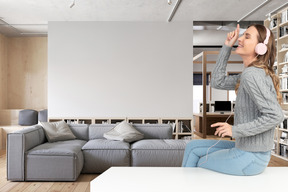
(182, 127)
(279, 26)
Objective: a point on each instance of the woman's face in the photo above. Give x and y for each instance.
(247, 42)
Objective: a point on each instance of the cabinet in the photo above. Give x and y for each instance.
(211, 118)
(278, 24)
(182, 127)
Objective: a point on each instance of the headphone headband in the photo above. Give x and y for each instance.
(267, 36)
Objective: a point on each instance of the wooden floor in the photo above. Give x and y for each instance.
(81, 185)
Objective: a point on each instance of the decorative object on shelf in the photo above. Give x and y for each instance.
(285, 97)
(273, 23)
(187, 138)
(284, 46)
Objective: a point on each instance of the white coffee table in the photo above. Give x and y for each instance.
(165, 179)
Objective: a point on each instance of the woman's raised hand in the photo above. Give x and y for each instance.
(232, 37)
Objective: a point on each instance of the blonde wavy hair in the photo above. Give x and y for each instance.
(267, 60)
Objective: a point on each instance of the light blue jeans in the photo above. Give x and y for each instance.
(224, 158)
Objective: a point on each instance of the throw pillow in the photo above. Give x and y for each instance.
(124, 132)
(57, 131)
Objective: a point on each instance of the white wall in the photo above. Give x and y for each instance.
(119, 69)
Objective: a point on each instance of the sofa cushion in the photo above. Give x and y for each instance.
(96, 144)
(58, 161)
(101, 154)
(162, 153)
(124, 132)
(60, 147)
(155, 131)
(96, 131)
(160, 144)
(80, 131)
(57, 131)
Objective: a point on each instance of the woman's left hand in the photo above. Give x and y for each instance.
(224, 129)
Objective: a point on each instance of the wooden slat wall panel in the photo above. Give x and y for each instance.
(3, 71)
(27, 73)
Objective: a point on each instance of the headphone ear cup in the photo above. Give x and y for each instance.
(261, 49)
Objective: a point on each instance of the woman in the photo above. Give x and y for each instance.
(257, 109)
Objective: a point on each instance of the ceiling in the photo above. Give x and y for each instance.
(31, 17)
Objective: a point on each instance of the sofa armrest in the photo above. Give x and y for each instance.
(18, 143)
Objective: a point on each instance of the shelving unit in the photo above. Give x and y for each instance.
(182, 127)
(279, 26)
(203, 119)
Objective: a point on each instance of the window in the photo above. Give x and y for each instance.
(197, 79)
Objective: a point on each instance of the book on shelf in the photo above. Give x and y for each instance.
(81, 122)
(283, 150)
(283, 31)
(184, 128)
(71, 121)
(285, 98)
(283, 125)
(284, 16)
(173, 125)
(187, 138)
(283, 82)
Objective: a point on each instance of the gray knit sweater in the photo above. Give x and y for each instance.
(257, 111)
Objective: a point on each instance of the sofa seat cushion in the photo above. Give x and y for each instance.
(58, 148)
(101, 154)
(160, 144)
(105, 144)
(158, 153)
(58, 161)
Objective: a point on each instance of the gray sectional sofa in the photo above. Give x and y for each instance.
(31, 158)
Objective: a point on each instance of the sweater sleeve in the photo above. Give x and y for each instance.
(219, 79)
(266, 102)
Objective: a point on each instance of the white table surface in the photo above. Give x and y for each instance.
(150, 179)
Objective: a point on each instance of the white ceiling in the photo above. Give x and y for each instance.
(32, 16)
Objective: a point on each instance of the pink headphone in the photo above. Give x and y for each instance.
(261, 48)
